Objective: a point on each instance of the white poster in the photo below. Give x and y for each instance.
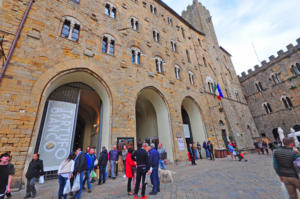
(57, 134)
(181, 144)
(186, 130)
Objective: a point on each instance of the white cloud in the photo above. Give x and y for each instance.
(269, 24)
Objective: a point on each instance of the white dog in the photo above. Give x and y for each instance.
(166, 176)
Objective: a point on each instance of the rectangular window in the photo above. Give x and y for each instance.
(104, 44)
(66, 29)
(75, 33)
(111, 47)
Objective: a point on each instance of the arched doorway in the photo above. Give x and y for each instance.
(194, 128)
(152, 120)
(276, 134)
(76, 113)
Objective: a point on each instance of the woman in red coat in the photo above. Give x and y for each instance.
(128, 171)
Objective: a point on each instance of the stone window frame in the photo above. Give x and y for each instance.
(159, 62)
(170, 20)
(267, 107)
(295, 68)
(153, 9)
(177, 70)
(188, 55)
(76, 1)
(134, 23)
(210, 84)
(259, 86)
(111, 42)
(156, 35)
(73, 23)
(110, 9)
(287, 102)
(136, 55)
(276, 78)
(174, 46)
(182, 32)
(191, 77)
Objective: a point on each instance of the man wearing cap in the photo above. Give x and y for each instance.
(154, 164)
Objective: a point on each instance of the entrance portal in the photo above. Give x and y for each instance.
(192, 121)
(70, 120)
(152, 120)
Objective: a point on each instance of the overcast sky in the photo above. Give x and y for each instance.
(269, 25)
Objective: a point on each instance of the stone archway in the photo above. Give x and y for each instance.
(152, 119)
(93, 111)
(195, 123)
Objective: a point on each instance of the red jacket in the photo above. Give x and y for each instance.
(129, 164)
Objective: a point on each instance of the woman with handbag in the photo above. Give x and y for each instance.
(65, 172)
(130, 164)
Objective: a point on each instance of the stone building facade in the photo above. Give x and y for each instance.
(272, 92)
(94, 73)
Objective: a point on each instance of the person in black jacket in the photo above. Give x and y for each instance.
(102, 162)
(143, 166)
(79, 169)
(283, 163)
(210, 147)
(35, 169)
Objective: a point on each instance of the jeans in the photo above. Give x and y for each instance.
(88, 179)
(30, 188)
(112, 168)
(207, 153)
(196, 154)
(78, 193)
(102, 174)
(211, 155)
(62, 182)
(155, 180)
(140, 175)
(162, 164)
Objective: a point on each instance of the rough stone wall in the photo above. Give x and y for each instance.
(221, 69)
(272, 93)
(42, 57)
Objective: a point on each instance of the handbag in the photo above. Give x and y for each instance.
(67, 188)
(76, 185)
(96, 162)
(41, 180)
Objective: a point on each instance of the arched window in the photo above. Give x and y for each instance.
(134, 23)
(135, 56)
(267, 107)
(159, 64)
(191, 77)
(296, 69)
(170, 21)
(156, 35)
(276, 78)
(287, 102)
(110, 10)
(210, 83)
(259, 86)
(108, 45)
(177, 72)
(70, 28)
(153, 9)
(174, 46)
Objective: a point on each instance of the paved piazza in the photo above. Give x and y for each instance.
(218, 179)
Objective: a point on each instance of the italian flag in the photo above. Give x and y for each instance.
(218, 91)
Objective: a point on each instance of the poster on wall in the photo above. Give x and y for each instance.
(57, 134)
(181, 144)
(125, 141)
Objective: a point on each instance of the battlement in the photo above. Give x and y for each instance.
(272, 59)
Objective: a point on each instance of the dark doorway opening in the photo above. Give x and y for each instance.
(275, 134)
(186, 121)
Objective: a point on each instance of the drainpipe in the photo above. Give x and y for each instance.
(13, 46)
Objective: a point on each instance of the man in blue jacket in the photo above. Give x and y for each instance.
(90, 158)
(154, 164)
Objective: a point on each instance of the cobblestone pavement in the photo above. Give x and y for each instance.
(220, 179)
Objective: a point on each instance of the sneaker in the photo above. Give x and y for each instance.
(144, 197)
(135, 197)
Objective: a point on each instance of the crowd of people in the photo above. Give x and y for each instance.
(195, 149)
(81, 169)
(263, 146)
